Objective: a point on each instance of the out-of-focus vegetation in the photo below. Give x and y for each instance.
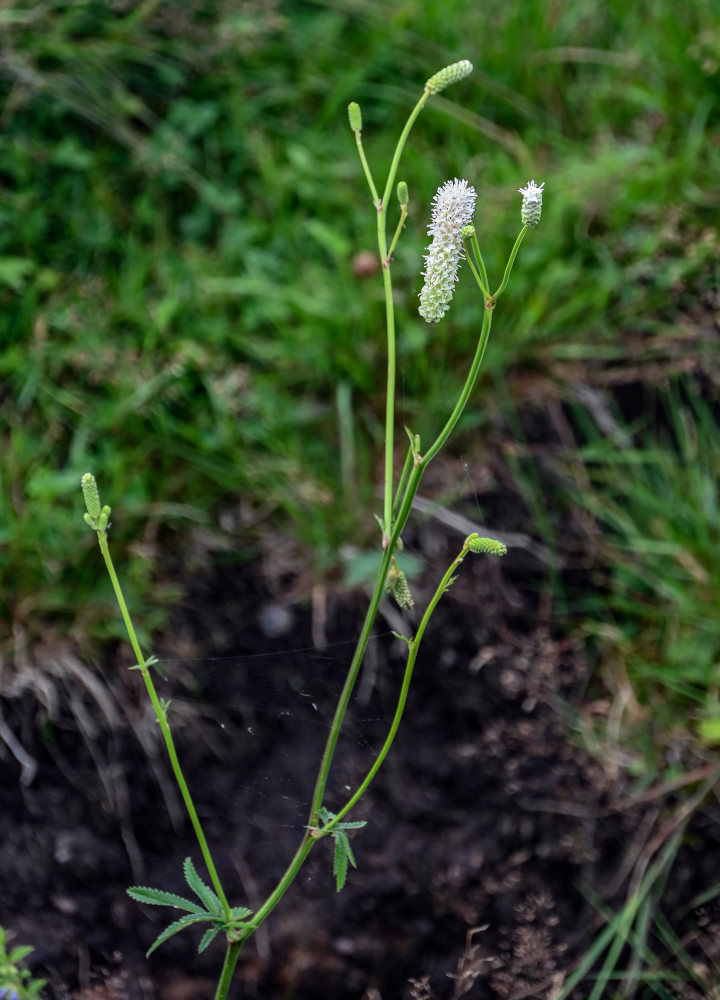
(183, 313)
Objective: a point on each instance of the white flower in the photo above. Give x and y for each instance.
(531, 204)
(452, 208)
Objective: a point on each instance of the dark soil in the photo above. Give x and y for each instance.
(486, 829)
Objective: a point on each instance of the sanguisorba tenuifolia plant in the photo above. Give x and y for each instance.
(453, 240)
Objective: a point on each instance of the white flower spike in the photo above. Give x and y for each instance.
(531, 204)
(452, 208)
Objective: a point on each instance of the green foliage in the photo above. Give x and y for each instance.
(179, 185)
(16, 982)
(343, 853)
(211, 911)
(654, 605)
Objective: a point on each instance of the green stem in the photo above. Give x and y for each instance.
(411, 489)
(357, 660)
(308, 840)
(306, 845)
(511, 261)
(162, 719)
(480, 262)
(231, 956)
(366, 168)
(403, 480)
(413, 647)
(398, 230)
(349, 685)
(467, 388)
(476, 274)
(390, 318)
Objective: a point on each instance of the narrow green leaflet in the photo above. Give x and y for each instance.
(208, 937)
(177, 925)
(211, 901)
(158, 897)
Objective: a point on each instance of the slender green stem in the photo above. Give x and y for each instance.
(308, 840)
(413, 646)
(467, 388)
(476, 274)
(165, 728)
(366, 168)
(354, 669)
(403, 480)
(306, 845)
(511, 261)
(398, 230)
(349, 685)
(390, 385)
(390, 318)
(400, 147)
(231, 956)
(480, 262)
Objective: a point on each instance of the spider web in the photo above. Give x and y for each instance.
(267, 717)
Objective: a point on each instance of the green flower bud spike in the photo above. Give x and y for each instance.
(531, 204)
(355, 116)
(402, 193)
(450, 74)
(489, 546)
(91, 495)
(96, 517)
(397, 585)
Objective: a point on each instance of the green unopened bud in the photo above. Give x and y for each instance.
(402, 193)
(397, 585)
(102, 521)
(467, 232)
(531, 204)
(490, 546)
(355, 116)
(91, 496)
(450, 74)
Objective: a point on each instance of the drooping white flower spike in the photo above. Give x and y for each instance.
(531, 204)
(452, 208)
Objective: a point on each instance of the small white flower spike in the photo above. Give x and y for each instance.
(452, 209)
(531, 204)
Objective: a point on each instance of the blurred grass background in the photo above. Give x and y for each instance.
(182, 311)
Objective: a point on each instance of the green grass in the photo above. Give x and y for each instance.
(655, 532)
(181, 205)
